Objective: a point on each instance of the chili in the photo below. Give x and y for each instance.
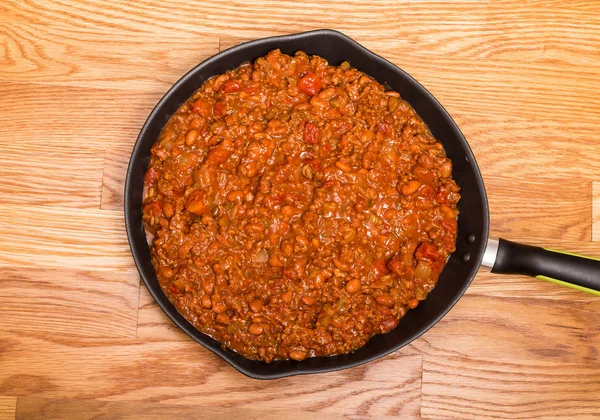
(295, 208)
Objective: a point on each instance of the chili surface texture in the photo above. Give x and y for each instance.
(295, 209)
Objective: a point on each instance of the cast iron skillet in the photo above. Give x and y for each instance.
(472, 247)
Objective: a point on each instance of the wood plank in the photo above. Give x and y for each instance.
(182, 373)
(596, 211)
(72, 118)
(8, 406)
(111, 56)
(69, 303)
(529, 207)
(517, 329)
(58, 237)
(522, 287)
(480, 29)
(52, 175)
(466, 388)
(57, 409)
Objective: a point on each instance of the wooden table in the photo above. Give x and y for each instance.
(81, 338)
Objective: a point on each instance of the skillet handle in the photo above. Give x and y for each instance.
(570, 270)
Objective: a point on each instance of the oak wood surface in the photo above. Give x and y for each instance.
(67, 409)
(8, 407)
(596, 211)
(80, 337)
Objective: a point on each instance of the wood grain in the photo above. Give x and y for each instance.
(524, 329)
(80, 338)
(109, 56)
(487, 389)
(56, 237)
(39, 179)
(596, 211)
(8, 407)
(537, 18)
(69, 303)
(57, 409)
(527, 208)
(72, 118)
(116, 161)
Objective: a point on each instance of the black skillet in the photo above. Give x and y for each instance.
(473, 248)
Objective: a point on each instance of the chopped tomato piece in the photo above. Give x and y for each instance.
(442, 195)
(311, 133)
(231, 86)
(424, 176)
(220, 109)
(220, 153)
(310, 84)
(449, 226)
(380, 267)
(203, 108)
(385, 128)
(315, 165)
(428, 251)
(196, 203)
(151, 176)
(396, 265)
(426, 192)
(153, 208)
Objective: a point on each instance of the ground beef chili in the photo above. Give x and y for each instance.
(295, 209)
